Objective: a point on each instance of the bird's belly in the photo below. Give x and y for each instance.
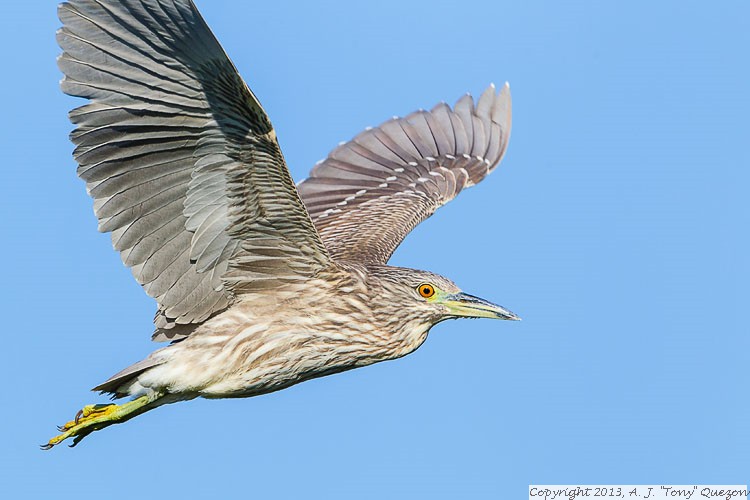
(260, 359)
(284, 363)
(259, 380)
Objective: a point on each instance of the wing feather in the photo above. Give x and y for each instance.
(180, 158)
(371, 191)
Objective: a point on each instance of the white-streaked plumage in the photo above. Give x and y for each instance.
(260, 284)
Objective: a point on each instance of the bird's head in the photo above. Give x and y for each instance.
(433, 298)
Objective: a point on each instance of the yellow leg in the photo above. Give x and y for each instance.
(94, 417)
(87, 413)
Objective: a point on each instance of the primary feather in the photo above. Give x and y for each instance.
(181, 159)
(373, 190)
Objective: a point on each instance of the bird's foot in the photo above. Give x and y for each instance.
(94, 417)
(87, 413)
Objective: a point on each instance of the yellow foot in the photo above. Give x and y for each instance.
(86, 413)
(94, 417)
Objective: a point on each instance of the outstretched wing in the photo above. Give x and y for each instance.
(181, 159)
(371, 191)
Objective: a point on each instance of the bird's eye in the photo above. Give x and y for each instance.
(426, 290)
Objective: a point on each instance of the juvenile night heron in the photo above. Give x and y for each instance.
(260, 284)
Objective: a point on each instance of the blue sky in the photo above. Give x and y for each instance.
(616, 227)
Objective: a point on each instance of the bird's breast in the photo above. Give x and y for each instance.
(248, 350)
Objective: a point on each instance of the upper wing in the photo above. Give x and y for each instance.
(371, 191)
(180, 158)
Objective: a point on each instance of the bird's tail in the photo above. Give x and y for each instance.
(117, 384)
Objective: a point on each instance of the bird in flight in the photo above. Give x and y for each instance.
(260, 284)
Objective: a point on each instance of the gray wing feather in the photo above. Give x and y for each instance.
(180, 158)
(371, 191)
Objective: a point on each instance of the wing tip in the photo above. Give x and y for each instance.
(505, 92)
(504, 89)
(501, 111)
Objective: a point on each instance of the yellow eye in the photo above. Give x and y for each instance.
(426, 290)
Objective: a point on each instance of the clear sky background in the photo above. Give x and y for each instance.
(617, 227)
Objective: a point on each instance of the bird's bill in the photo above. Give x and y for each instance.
(467, 306)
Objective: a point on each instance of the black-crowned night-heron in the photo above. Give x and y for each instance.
(260, 284)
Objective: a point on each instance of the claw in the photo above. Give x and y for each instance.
(67, 426)
(80, 436)
(91, 418)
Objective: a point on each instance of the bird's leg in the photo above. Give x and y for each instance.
(87, 413)
(95, 417)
